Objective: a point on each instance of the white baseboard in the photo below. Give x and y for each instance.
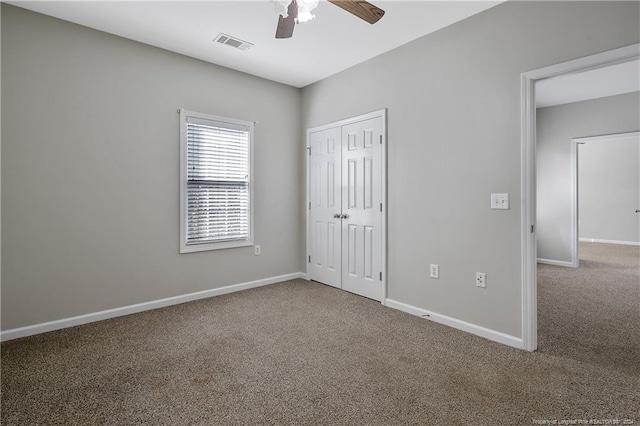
(556, 262)
(145, 306)
(624, 243)
(487, 333)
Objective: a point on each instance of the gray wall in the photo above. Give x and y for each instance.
(453, 100)
(609, 189)
(90, 190)
(90, 171)
(556, 126)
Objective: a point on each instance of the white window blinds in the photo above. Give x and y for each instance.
(217, 188)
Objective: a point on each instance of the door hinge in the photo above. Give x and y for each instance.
(309, 258)
(309, 205)
(380, 206)
(380, 139)
(532, 228)
(380, 276)
(309, 149)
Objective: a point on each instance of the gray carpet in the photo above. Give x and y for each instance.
(304, 353)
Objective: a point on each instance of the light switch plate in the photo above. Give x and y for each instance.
(434, 271)
(500, 201)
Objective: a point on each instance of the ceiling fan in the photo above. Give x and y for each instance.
(296, 11)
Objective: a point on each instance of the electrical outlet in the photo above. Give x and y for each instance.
(434, 271)
(256, 250)
(481, 279)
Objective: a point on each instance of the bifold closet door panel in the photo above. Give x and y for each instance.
(361, 208)
(325, 196)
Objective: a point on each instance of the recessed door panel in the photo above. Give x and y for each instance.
(352, 171)
(319, 242)
(331, 145)
(352, 242)
(331, 246)
(331, 184)
(368, 137)
(352, 140)
(318, 185)
(368, 252)
(368, 183)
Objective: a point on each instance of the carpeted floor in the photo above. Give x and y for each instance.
(304, 353)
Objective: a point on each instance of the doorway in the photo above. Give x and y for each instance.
(529, 202)
(346, 200)
(605, 190)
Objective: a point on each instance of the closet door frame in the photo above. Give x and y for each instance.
(382, 114)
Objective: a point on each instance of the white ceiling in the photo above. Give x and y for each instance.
(334, 41)
(599, 83)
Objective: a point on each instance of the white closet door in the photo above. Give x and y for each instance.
(361, 208)
(324, 214)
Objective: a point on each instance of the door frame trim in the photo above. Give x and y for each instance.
(528, 247)
(381, 113)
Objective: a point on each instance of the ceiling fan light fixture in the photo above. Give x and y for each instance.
(293, 12)
(282, 7)
(305, 7)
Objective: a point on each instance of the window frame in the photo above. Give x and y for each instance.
(184, 247)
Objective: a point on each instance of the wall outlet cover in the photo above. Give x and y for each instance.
(481, 279)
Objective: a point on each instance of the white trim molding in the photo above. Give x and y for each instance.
(228, 123)
(624, 243)
(612, 136)
(575, 256)
(557, 263)
(44, 327)
(528, 176)
(468, 327)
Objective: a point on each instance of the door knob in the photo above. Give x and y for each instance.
(336, 215)
(344, 216)
(637, 210)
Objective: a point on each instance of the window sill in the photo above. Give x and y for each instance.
(214, 246)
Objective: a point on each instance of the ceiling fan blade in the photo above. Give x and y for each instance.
(286, 25)
(362, 9)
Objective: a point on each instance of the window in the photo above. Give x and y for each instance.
(215, 182)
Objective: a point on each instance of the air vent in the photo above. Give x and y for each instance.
(232, 41)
